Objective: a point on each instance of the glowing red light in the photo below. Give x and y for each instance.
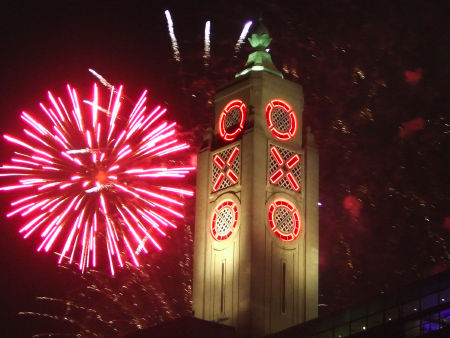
(220, 163)
(232, 155)
(224, 132)
(287, 226)
(277, 175)
(277, 155)
(95, 175)
(232, 176)
(218, 181)
(293, 161)
(224, 220)
(279, 129)
(293, 181)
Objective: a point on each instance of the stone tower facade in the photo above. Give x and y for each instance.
(256, 228)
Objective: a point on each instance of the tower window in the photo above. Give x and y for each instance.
(224, 220)
(283, 287)
(231, 120)
(281, 120)
(222, 289)
(225, 168)
(285, 168)
(284, 220)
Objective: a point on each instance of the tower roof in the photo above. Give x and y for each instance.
(260, 59)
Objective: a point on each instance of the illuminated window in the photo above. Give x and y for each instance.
(222, 289)
(224, 220)
(232, 119)
(285, 169)
(284, 220)
(226, 168)
(283, 287)
(281, 120)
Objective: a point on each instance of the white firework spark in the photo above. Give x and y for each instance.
(207, 53)
(243, 35)
(101, 79)
(176, 51)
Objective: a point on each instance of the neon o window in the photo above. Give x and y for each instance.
(232, 119)
(284, 220)
(224, 220)
(281, 120)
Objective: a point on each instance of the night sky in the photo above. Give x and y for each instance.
(375, 78)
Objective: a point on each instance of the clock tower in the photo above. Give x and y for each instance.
(256, 218)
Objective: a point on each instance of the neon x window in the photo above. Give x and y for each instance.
(232, 119)
(281, 120)
(226, 168)
(285, 168)
(284, 220)
(224, 220)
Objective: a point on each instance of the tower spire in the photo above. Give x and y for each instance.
(260, 59)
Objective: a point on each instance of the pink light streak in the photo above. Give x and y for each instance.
(179, 191)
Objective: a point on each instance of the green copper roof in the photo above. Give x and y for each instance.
(260, 59)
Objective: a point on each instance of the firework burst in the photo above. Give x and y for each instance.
(93, 176)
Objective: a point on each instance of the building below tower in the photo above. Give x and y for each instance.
(421, 309)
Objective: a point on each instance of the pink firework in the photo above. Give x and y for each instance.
(94, 176)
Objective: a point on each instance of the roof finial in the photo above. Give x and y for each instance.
(260, 59)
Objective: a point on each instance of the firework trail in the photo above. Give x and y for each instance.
(101, 79)
(207, 52)
(176, 51)
(90, 173)
(243, 35)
